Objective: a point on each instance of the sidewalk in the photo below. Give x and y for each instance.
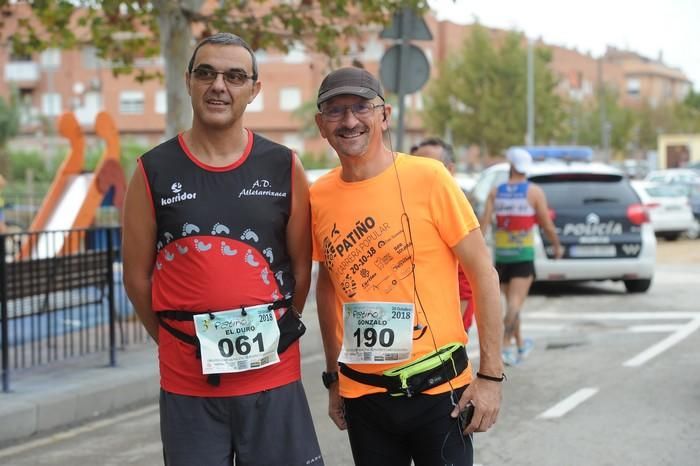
(60, 394)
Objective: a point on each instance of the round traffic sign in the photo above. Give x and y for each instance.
(412, 75)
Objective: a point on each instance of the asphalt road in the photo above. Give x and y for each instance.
(613, 380)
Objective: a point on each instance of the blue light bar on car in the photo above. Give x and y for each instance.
(564, 153)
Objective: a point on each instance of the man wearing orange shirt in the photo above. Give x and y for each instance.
(388, 231)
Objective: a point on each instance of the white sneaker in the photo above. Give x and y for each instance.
(526, 349)
(510, 357)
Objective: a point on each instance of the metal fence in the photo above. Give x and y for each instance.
(62, 296)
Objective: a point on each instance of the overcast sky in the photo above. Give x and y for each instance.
(644, 26)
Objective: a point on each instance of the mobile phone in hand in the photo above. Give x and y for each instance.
(465, 416)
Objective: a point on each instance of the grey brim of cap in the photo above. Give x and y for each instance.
(347, 90)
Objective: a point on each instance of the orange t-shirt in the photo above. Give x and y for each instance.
(361, 234)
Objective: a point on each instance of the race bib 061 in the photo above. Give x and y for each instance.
(237, 341)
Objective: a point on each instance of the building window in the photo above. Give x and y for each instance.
(257, 104)
(667, 89)
(296, 54)
(51, 104)
(261, 56)
(131, 102)
(294, 141)
(418, 100)
(373, 50)
(633, 87)
(50, 58)
(161, 102)
(290, 98)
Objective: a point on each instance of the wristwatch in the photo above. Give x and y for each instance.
(329, 378)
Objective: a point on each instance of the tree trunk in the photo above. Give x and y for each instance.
(176, 47)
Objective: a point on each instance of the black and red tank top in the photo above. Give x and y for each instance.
(221, 244)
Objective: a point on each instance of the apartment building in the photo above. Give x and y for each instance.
(60, 80)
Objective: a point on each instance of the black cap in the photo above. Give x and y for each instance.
(352, 81)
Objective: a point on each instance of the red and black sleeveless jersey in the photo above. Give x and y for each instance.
(221, 244)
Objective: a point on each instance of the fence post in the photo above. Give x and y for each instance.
(4, 318)
(111, 298)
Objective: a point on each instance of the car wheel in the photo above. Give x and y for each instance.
(694, 232)
(637, 286)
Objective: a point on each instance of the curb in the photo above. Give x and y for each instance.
(48, 397)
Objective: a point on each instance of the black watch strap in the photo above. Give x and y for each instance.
(329, 378)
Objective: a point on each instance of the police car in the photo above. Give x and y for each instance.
(603, 227)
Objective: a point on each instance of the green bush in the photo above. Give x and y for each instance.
(312, 160)
(131, 150)
(22, 161)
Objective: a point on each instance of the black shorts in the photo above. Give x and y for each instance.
(389, 430)
(267, 428)
(507, 271)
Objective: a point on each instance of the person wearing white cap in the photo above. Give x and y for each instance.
(518, 206)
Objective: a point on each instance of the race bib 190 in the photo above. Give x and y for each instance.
(376, 332)
(237, 341)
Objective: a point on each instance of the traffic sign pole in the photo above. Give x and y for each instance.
(400, 72)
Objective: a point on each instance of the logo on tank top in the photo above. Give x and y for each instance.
(179, 196)
(261, 188)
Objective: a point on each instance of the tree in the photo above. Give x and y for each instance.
(9, 124)
(123, 31)
(583, 126)
(480, 94)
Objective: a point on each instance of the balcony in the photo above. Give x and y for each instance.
(22, 72)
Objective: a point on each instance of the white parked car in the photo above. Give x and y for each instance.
(465, 181)
(668, 207)
(673, 176)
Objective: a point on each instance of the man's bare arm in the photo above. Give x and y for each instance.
(475, 260)
(487, 215)
(328, 322)
(539, 201)
(484, 395)
(327, 317)
(299, 236)
(138, 249)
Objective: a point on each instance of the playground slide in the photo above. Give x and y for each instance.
(75, 195)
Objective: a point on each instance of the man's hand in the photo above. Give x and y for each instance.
(558, 251)
(336, 407)
(485, 395)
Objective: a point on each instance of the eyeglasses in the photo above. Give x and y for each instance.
(235, 78)
(359, 109)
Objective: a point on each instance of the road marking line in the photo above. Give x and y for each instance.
(661, 315)
(77, 431)
(567, 404)
(659, 328)
(663, 345)
(543, 327)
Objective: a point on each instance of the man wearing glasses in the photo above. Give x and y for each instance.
(388, 231)
(217, 264)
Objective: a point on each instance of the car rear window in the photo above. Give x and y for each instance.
(666, 190)
(576, 189)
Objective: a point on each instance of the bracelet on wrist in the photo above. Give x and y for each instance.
(491, 377)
